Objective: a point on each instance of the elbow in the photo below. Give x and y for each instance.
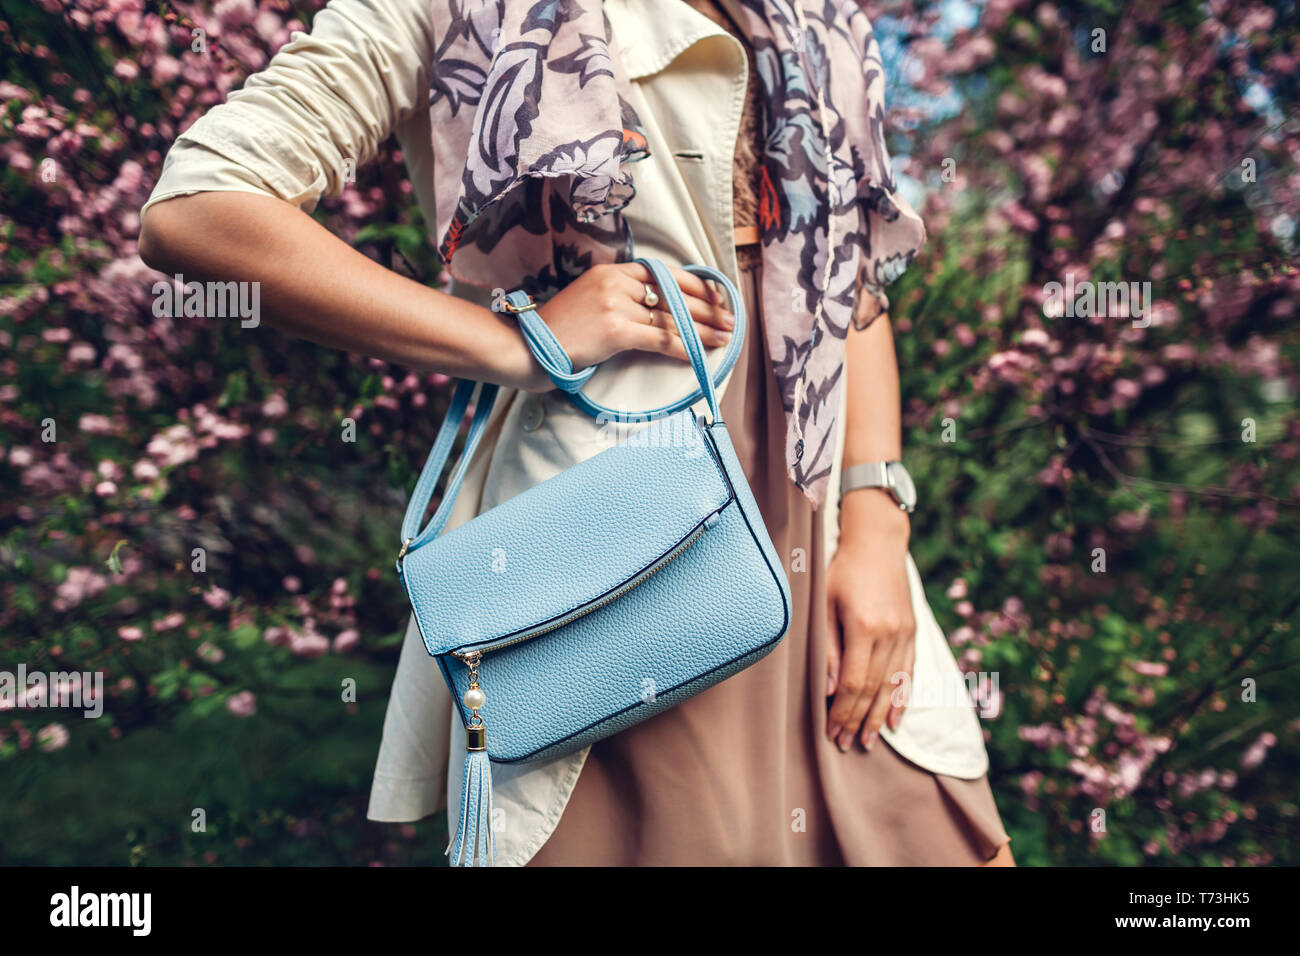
(150, 245)
(159, 241)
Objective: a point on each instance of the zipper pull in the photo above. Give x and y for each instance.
(474, 700)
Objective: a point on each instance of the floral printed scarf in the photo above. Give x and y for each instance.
(534, 135)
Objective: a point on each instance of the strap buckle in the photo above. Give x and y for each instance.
(516, 309)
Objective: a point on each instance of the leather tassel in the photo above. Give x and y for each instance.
(474, 843)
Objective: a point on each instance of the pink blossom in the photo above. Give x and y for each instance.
(94, 424)
(1257, 751)
(52, 737)
(309, 644)
(216, 598)
(276, 635)
(1127, 389)
(275, 406)
(166, 69)
(1151, 668)
(211, 653)
(174, 445)
(169, 622)
(242, 703)
(80, 584)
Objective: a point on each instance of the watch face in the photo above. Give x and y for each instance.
(902, 482)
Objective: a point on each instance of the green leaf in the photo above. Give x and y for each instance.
(236, 389)
(114, 561)
(245, 636)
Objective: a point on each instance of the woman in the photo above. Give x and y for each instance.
(548, 143)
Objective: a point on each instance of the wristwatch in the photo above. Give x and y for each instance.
(889, 475)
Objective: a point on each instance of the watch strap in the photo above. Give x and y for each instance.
(870, 474)
(879, 474)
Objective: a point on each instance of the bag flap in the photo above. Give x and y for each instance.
(568, 541)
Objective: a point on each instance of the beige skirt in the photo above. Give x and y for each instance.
(743, 774)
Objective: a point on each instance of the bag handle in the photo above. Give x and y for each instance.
(559, 367)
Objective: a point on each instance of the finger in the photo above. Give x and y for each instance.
(652, 338)
(699, 287)
(664, 331)
(833, 651)
(900, 700)
(704, 305)
(884, 702)
(713, 303)
(872, 681)
(846, 713)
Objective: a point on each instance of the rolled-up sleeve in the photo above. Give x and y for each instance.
(322, 107)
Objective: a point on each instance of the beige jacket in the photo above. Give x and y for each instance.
(333, 96)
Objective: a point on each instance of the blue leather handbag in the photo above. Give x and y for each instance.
(602, 596)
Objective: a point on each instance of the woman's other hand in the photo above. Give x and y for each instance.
(872, 627)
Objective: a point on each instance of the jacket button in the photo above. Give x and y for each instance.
(532, 414)
(798, 450)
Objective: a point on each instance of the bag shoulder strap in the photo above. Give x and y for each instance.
(412, 536)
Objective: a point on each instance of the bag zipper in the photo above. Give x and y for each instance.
(474, 654)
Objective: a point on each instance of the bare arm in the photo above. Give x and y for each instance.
(873, 430)
(868, 595)
(317, 287)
